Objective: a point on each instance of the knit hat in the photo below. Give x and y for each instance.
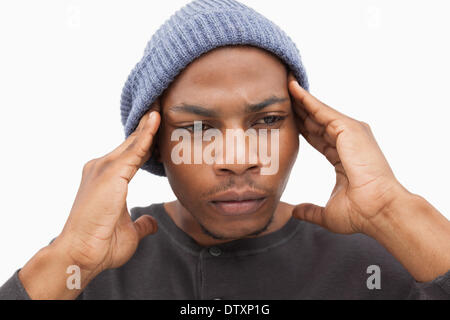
(191, 31)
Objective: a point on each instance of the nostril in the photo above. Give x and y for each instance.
(253, 168)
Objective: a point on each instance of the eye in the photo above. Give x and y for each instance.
(271, 120)
(191, 127)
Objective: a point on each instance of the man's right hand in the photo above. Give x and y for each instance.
(99, 233)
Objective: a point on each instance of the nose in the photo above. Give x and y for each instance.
(238, 156)
(235, 169)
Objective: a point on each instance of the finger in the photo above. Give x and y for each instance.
(331, 140)
(309, 126)
(145, 225)
(139, 151)
(329, 133)
(316, 142)
(319, 111)
(341, 177)
(299, 110)
(324, 148)
(325, 145)
(313, 127)
(309, 212)
(154, 107)
(117, 151)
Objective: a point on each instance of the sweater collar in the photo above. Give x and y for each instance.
(237, 247)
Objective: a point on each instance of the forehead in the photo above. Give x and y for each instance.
(231, 74)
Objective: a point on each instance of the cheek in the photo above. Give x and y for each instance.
(288, 150)
(185, 181)
(289, 144)
(179, 175)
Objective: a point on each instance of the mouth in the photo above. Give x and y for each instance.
(233, 203)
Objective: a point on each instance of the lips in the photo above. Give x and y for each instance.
(235, 202)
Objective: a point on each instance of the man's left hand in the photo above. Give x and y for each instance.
(365, 183)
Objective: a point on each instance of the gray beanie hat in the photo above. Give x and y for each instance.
(197, 28)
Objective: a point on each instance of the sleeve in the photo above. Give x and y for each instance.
(436, 289)
(13, 289)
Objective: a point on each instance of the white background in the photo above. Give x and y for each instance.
(63, 65)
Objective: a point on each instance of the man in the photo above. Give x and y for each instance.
(227, 235)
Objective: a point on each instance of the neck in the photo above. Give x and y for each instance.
(186, 222)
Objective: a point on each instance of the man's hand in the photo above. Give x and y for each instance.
(367, 198)
(365, 184)
(99, 233)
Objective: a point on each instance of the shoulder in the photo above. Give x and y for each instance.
(346, 245)
(356, 245)
(358, 253)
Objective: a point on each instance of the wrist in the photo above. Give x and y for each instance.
(50, 274)
(61, 249)
(414, 232)
(392, 213)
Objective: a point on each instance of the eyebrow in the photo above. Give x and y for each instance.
(249, 108)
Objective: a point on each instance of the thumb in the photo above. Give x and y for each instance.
(310, 212)
(145, 225)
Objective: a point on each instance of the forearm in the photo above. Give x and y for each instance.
(416, 234)
(45, 275)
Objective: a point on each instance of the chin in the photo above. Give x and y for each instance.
(233, 228)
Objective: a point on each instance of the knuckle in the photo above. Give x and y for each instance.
(130, 147)
(133, 134)
(88, 165)
(365, 124)
(137, 148)
(339, 125)
(98, 166)
(366, 127)
(141, 152)
(352, 124)
(103, 164)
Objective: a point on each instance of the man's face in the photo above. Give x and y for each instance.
(221, 84)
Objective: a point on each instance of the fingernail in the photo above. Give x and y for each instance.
(297, 84)
(152, 116)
